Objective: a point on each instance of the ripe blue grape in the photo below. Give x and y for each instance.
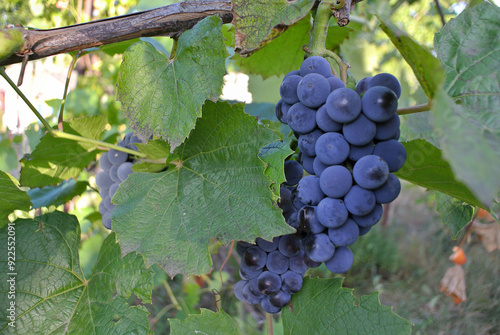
(242, 246)
(389, 191)
(255, 258)
(335, 83)
(280, 299)
(307, 142)
(297, 264)
(379, 103)
(335, 181)
(285, 202)
(332, 148)
(364, 230)
(113, 173)
(268, 307)
(392, 152)
(113, 189)
(325, 122)
(388, 129)
(124, 169)
(277, 262)
(362, 85)
(238, 289)
(331, 212)
(313, 90)
(269, 282)
(106, 220)
(248, 273)
(360, 131)
(267, 245)
(288, 89)
(293, 172)
(291, 282)
(117, 157)
(359, 201)
(318, 247)
(103, 180)
(386, 80)
(301, 119)
(357, 152)
(315, 64)
(370, 172)
(307, 163)
(281, 111)
(309, 190)
(104, 162)
(308, 220)
(341, 261)
(250, 297)
(371, 218)
(318, 167)
(289, 245)
(343, 105)
(344, 235)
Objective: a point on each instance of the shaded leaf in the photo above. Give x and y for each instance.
(322, 306)
(12, 197)
(207, 322)
(454, 213)
(57, 195)
(256, 22)
(164, 97)
(274, 156)
(217, 188)
(47, 248)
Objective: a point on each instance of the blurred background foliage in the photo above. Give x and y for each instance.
(404, 258)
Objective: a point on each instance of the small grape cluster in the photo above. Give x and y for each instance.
(116, 166)
(348, 145)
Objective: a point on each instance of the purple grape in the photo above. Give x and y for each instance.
(325, 122)
(280, 299)
(309, 190)
(392, 152)
(341, 261)
(315, 64)
(379, 103)
(313, 90)
(331, 212)
(288, 89)
(343, 105)
(389, 191)
(104, 162)
(388, 129)
(335, 83)
(307, 163)
(268, 307)
(357, 152)
(266, 245)
(255, 258)
(301, 119)
(359, 201)
(117, 157)
(318, 167)
(307, 142)
(360, 131)
(387, 80)
(289, 245)
(335, 181)
(308, 221)
(269, 282)
(318, 247)
(332, 148)
(370, 172)
(124, 170)
(344, 235)
(291, 282)
(371, 218)
(293, 172)
(362, 85)
(277, 262)
(297, 264)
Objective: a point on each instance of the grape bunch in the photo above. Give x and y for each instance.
(116, 166)
(348, 145)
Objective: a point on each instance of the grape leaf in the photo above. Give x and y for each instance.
(469, 49)
(322, 306)
(217, 188)
(58, 159)
(57, 195)
(336, 34)
(424, 65)
(274, 155)
(426, 167)
(258, 22)
(164, 97)
(207, 322)
(264, 61)
(454, 213)
(12, 197)
(46, 250)
(157, 152)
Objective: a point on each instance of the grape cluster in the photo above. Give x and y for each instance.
(116, 166)
(348, 145)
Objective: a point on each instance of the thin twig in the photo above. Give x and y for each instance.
(225, 261)
(440, 11)
(63, 102)
(171, 295)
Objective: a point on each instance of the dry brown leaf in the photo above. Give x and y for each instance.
(458, 256)
(489, 234)
(453, 283)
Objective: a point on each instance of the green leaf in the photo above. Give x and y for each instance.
(157, 152)
(12, 197)
(426, 167)
(271, 60)
(323, 307)
(274, 156)
(454, 213)
(47, 249)
(207, 322)
(8, 156)
(57, 195)
(425, 66)
(469, 48)
(257, 22)
(58, 159)
(217, 188)
(164, 97)
(11, 42)
(336, 34)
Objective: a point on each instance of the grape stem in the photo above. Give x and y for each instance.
(414, 109)
(269, 324)
(66, 86)
(318, 37)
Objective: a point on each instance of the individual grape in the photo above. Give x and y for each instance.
(103, 180)
(310, 263)
(269, 282)
(344, 235)
(289, 245)
(392, 152)
(242, 246)
(281, 111)
(341, 261)
(291, 282)
(315, 64)
(379, 103)
(356, 152)
(117, 157)
(238, 290)
(362, 85)
(266, 245)
(313, 90)
(255, 258)
(370, 172)
(325, 122)
(371, 218)
(388, 129)
(360, 131)
(307, 163)
(293, 219)
(387, 80)
(332, 148)
(297, 204)
(331, 212)
(124, 170)
(291, 73)
(106, 220)
(343, 105)
(396, 137)
(285, 202)
(301, 119)
(268, 307)
(104, 162)
(359, 201)
(335, 181)
(113, 174)
(293, 172)
(364, 230)
(389, 191)
(248, 273)
(288, 89)
(280, 299)
(250, 297)
(318, 167)
(297, 264)
(318, 247)
(308, 221)
(106, 202)
(253, 287)
(307, 142)
(113, 189)
(309, 190)
(277, 262)
(335, 83)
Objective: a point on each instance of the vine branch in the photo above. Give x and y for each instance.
(414, 109)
